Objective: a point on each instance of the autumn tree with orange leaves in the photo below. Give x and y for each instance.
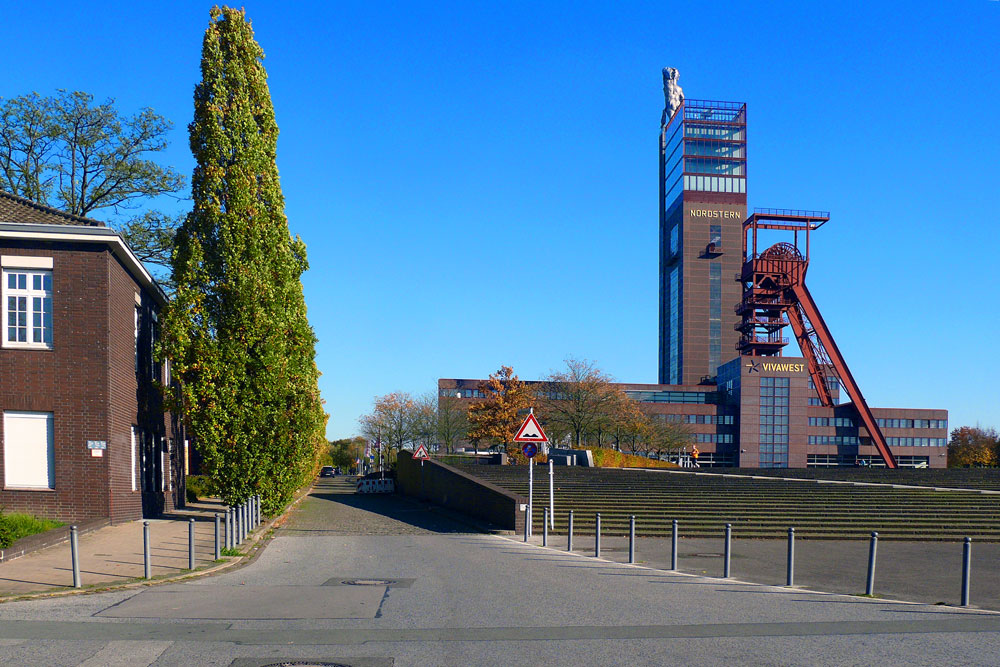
(497, 417)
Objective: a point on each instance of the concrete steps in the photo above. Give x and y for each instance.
(756, 508)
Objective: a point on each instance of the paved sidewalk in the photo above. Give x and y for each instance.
(113, 554)
(929, 572)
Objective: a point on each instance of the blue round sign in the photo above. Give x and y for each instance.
(530, 449)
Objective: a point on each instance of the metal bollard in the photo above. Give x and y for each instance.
(239, 525)
(218, 551)
(569, 535)
(966, 570)
(190, 544)
(597, 535)
(147, 568)
(229, 527)
(257, 505)
(872, 548)
(631, 539)
(527, 520)
(545, 527)
(790, 578)
(74, 547)
(243, 522)
(727, 551)
(673, 547)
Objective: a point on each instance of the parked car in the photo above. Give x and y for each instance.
(326, 471)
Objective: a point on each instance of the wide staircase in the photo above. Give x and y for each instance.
(756, 508)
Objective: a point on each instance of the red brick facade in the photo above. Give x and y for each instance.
(89, 382)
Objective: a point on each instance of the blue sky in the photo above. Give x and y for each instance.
(477, 182)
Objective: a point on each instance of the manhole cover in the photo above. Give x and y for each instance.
(368, 582)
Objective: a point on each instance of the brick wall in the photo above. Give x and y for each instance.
(70, 381)
(89, 382)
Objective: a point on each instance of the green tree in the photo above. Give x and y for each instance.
(67, 152)
(497, 417)
(972, 446)
(236, 330)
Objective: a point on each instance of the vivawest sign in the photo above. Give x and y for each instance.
(774, 367)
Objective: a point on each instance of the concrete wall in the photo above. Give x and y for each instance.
(444, 485)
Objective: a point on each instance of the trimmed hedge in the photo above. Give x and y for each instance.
(609, 458)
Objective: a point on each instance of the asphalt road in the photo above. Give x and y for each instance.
(385, 581)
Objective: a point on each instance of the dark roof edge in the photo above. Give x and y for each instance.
(77, 219)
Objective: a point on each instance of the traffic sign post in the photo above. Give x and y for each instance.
(421, 454)
(530, 434)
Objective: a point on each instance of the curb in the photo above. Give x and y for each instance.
(255, 546)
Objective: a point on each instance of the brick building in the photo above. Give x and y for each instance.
(724, 305)
(84, 430)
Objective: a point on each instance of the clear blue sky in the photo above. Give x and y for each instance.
(477, 182)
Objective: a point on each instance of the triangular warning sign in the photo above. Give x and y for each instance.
(421, 453)
(530, 431)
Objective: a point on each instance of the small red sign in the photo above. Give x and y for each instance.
(530, 431)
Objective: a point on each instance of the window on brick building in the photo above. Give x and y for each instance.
(28, 450)
(27, 308)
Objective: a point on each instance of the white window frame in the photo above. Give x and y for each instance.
(14, 455)
(30, 295)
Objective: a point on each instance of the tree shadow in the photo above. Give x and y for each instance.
(395, 507)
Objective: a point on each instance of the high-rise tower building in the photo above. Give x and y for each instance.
(703, 204)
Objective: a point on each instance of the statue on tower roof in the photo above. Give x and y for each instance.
(673, 95)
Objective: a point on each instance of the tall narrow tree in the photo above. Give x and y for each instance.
(236, 331)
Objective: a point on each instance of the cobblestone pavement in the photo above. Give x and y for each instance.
(333, 508)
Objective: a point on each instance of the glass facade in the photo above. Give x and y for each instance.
(714, 315)
(774, 393)
(707, 150)
(674, 335)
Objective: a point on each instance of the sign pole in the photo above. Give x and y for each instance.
(552, 500)
(531, 490)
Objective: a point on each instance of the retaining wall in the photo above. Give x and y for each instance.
(441, 484)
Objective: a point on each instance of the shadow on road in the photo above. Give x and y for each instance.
(333, 507)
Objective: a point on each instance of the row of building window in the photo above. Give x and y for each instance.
(847, 422)
(917, 442)
(840, 422)
(722, 438)
(701, 419)
(644, 396)
(912, 423)
(461, 393)
(715, 183)
(833, 440)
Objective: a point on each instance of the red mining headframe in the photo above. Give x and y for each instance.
(775, 296)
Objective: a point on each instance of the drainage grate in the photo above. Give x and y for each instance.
(305, 662)
(398, 582)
